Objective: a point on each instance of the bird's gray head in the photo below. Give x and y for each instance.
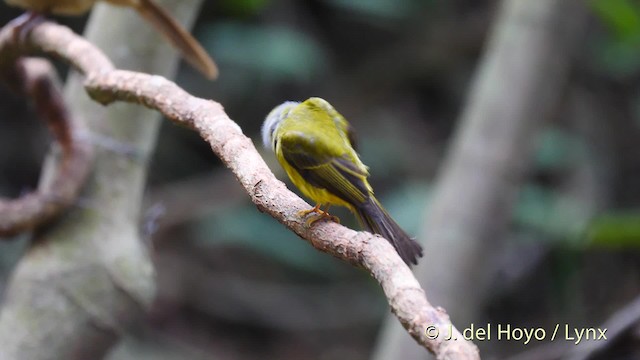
(273, 120)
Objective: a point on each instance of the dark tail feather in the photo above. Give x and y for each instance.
(179, 37)
(377, 220)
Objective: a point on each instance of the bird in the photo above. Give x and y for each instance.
(177, 35)
(315, 146)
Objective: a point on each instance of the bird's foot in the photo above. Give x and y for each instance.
(318, 214)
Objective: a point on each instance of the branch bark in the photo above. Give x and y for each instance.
(37, 79)
(519, 79)
(405, 296)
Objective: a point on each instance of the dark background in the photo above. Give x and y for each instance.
(235, 284)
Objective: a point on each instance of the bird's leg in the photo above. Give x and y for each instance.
(23, 24)
(319, 214)
(315, 209)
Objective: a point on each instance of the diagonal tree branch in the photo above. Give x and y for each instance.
(405, 296)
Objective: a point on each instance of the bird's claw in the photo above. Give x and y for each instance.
(318, 214)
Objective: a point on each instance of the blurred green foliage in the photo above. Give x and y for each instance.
(559, 218)
(543, 209)
(616, 230)
(408, 204)
(618, 52)
(622, 16)
(239, 8)
(381, 9)
(243, 226)
(556, 149)
(271, 53)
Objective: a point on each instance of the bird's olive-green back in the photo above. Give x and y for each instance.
(323, 131)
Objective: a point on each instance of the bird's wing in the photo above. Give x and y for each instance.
(346, 128)
(322, 167)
